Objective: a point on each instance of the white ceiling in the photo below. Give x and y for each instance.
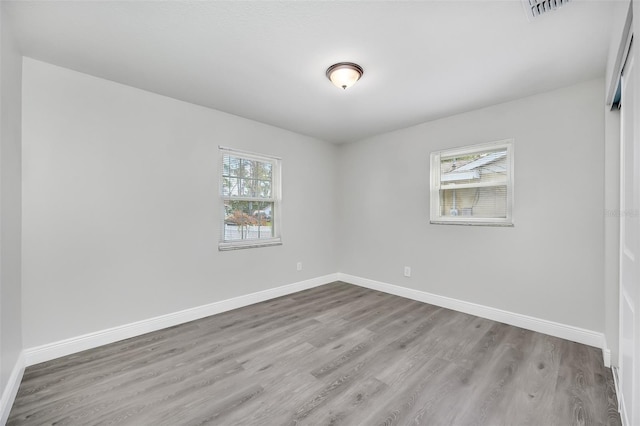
(266, 60)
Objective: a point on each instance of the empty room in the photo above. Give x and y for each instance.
(319, 212)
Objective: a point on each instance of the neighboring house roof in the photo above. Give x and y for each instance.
(489, 158)
(472, 170)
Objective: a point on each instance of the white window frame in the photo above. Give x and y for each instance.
(437, 218)
(276, 214)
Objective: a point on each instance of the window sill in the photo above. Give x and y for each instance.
(239, 245)
(468, 223)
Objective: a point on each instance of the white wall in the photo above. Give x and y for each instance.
(121, 211)
(549, 266)
(10, 208)
(120, 208)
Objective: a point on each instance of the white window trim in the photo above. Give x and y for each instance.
(435, 185)
(276, 187)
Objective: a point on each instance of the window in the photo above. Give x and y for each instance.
(473, 185)
(250, 192)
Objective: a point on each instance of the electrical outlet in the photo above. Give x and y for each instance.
(299, 266)
(407, 271)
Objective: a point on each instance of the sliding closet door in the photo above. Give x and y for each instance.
(630, 247)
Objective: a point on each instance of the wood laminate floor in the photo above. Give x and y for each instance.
(333, 355)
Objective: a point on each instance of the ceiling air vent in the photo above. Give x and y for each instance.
(535, 8)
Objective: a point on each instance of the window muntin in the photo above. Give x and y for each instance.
(473, 185)
(250, 192)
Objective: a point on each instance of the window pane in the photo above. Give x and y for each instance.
(256, 188)
(229, 186)
(231, 165)
(242, 177)
(473, 185)
(488, 166)
(248, 220)
(486, 202)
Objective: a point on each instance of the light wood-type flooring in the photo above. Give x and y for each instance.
(333, 355)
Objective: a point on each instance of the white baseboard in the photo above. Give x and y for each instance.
(11, 390)
(88, 341)
(563, 331)
(606, 356)
(606, 352)
(92, 340)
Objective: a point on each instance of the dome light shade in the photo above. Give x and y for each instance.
(344, 74)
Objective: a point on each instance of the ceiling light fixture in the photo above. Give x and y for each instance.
(344, 74)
